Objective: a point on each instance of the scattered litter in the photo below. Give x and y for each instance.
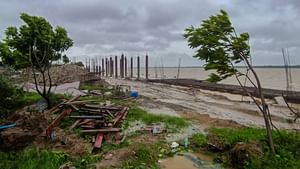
(174, 145)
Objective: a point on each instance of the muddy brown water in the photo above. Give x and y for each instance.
(189, 161)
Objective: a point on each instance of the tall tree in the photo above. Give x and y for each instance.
(217, 43)
(36, 45)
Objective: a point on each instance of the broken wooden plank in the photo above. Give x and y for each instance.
(98, 141)
(57, 107)
(120, 116)
(56, 121)
(110, 113)
(104, 130)
(87, 117)
(90, 126)
(101, 107)
(85, 121)
(83, 101)
(74, 124)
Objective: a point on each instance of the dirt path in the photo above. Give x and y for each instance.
(176, 100)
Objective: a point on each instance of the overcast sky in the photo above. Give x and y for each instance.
(134, 27)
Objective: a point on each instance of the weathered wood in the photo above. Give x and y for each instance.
(119, 116)
(103, 67)
(101, 107)
(122, 66)
(87, 117)
(106, 67)
(138, 67)
(125, 61)
(74, 124)
(116, 66)
(98, 141)
(104, 130)
(146, 67)
(56, 121)
(131, 67)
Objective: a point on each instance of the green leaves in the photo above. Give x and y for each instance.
(216, 43)
(35, 36)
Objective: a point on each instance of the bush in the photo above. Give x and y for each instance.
(287, 146)
(8, 96)
(14, 98)
(199, 140)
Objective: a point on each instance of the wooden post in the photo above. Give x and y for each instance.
(116, 66)
(86, 66)
(89, 64)
(103, 67)
(131, 67)
(106, 67)
(146, 67)
(111, 67)
(122, 66)
(138, 68)
(125, 66)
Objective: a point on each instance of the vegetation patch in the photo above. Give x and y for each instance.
(136, 113)
(248, 148)
(232, 136)
(199, 140)
(32, 158)
(146, 156)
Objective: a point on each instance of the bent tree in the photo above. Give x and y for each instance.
(35, 45)
(217, 43)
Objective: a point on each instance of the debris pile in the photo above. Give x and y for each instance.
(100, 120)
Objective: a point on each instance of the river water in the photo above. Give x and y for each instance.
(273, 78)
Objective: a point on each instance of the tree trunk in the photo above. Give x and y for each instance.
(264, 107)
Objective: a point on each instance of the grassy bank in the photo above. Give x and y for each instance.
(248, 148)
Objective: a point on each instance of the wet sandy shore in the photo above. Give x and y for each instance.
(198, 103)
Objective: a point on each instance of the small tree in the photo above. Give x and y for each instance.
(217, 43)
(36, 45)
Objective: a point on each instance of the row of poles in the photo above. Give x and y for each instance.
(109, 66)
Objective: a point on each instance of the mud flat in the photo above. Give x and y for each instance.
(228, 88)
(208, 108)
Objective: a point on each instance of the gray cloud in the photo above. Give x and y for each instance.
(105, 27)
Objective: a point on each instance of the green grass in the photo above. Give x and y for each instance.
(199, 140)
(136, 113)
(146, 156)
(30, 97)
(232, 136)
(33, 158)
(287, 147)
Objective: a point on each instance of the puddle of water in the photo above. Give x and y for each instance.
(190, 161)
(177, 162)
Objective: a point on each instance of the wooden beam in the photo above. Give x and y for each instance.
(105, 130)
